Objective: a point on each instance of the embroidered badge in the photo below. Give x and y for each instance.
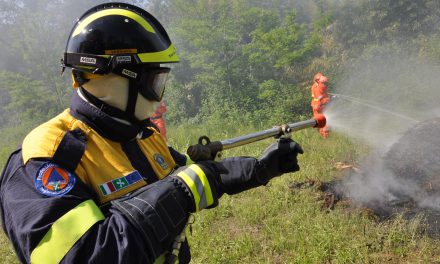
(120, 183)
(52, 180)
(161, 161)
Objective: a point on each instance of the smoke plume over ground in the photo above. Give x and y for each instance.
(391, 102)
(383, 95)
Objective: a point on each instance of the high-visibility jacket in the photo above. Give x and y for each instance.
(55, 191)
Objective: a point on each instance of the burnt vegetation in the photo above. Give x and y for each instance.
(410, 185)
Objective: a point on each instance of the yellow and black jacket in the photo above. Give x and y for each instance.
(56, 191)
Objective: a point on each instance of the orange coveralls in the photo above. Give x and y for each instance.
(320, 99)
(158, 121)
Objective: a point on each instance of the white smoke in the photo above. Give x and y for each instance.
(381, 97)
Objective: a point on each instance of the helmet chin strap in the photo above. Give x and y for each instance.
(132, 98)
(128, 114)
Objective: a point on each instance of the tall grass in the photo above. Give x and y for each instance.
(276, 224)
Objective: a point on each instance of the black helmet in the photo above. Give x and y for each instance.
(123, 39)
(114, 34)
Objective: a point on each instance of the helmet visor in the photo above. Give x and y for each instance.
(151, 83)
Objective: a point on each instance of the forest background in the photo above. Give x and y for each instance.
(245, 65)
(242, 61)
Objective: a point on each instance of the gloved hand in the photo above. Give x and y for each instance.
(202, 182)
(207, 181)
(279, 158)
(246, 173)
(325, 101)
(316, 107)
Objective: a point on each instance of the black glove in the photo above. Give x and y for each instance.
(242, 175)
(279, 158)
(246, 173)
(237, 174)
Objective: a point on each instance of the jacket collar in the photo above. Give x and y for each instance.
(107, 126)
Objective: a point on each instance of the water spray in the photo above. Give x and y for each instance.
(373, 106)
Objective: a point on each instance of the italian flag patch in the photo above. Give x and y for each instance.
(120, 183)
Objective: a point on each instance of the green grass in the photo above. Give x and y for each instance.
(7, 256)
(275, 224)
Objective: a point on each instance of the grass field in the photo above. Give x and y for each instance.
(275, 224)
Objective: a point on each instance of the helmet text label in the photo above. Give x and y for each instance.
(87, 60)
(129, 73)
(123, 59)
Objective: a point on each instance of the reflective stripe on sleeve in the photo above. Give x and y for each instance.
(188, 160)
(160, 260)
(196, 180)
(65, 232)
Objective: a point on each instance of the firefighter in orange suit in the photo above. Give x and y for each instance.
(158, 120)
(320, 99)
(316, 79)
(97, 183)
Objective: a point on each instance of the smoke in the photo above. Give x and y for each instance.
(377, 186)
(381, 96)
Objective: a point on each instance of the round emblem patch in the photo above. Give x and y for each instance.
(160, 160)
(52, 180)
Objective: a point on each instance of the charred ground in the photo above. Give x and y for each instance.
(404, 181)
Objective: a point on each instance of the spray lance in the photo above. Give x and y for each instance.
(205, 149)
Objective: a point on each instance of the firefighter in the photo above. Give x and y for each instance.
(315, 80)
(320, 99)
(158, 120)
(97, 183)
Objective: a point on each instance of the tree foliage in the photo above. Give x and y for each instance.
(247, 61)
(236, 53)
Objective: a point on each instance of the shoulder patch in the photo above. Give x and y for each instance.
(52, 180)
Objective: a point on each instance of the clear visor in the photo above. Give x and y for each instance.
(152, 83)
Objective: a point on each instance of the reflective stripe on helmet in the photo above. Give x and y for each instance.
(168, 55)
(114, 34)
(110, 12)
(196, 180)
(65, 232)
